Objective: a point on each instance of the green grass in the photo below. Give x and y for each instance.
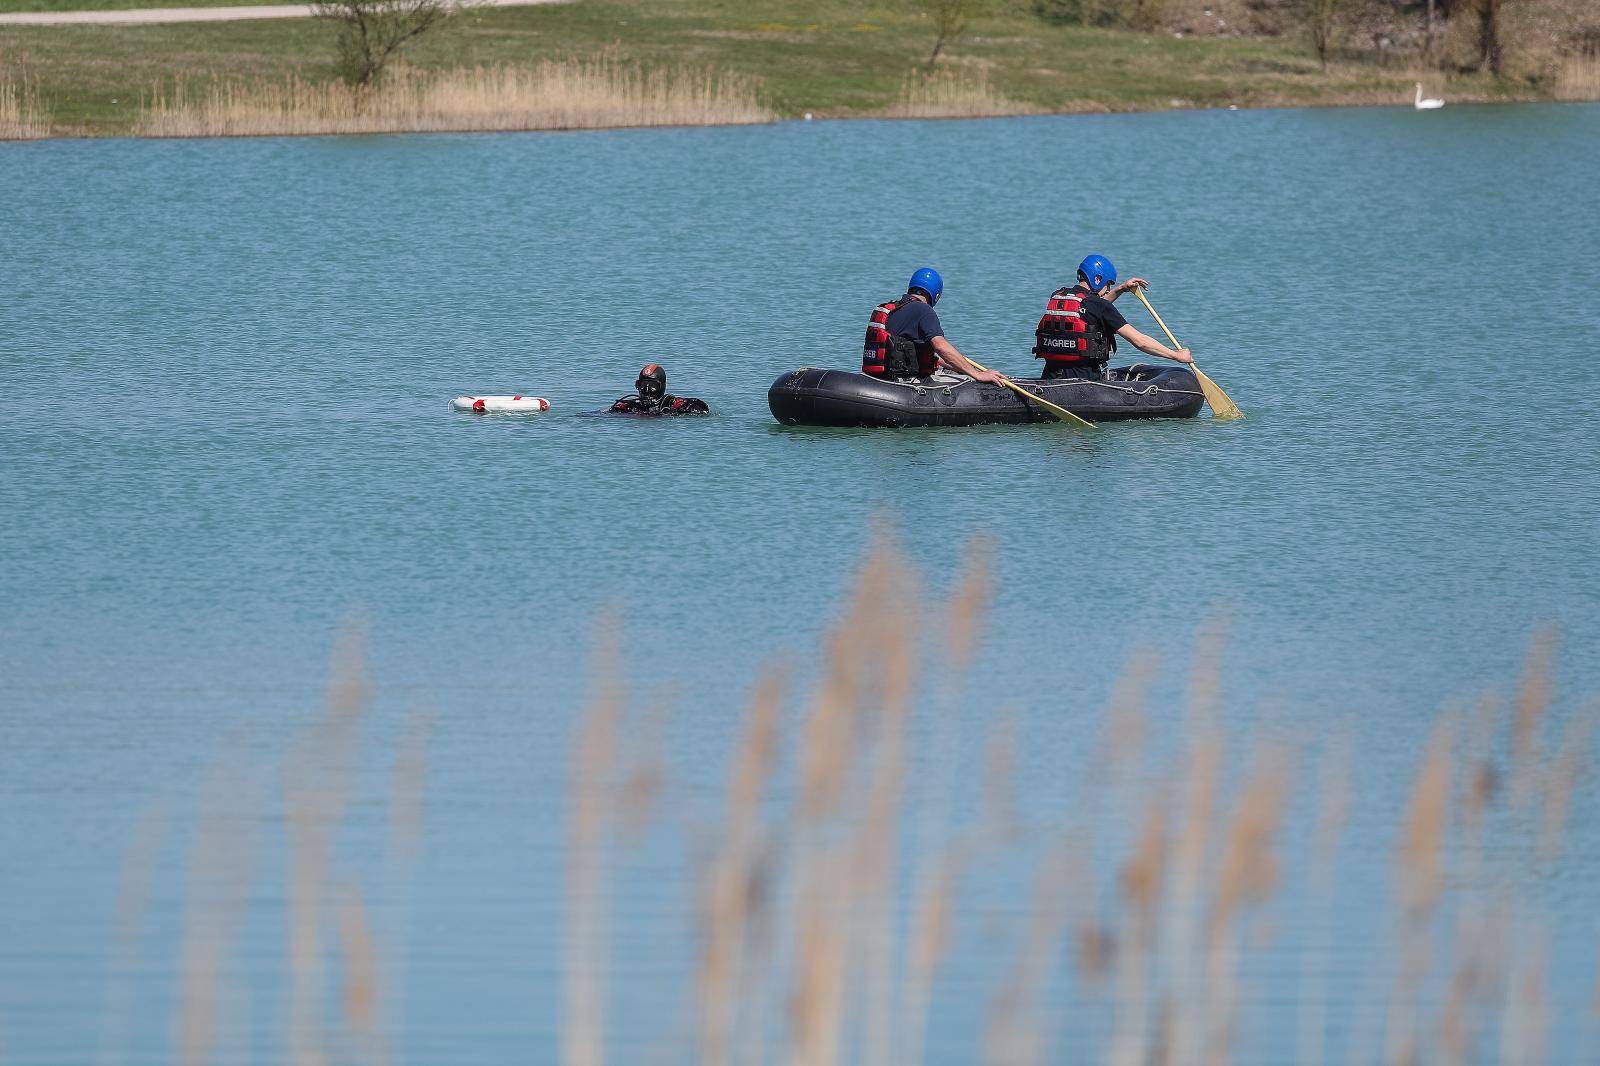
(832, 58)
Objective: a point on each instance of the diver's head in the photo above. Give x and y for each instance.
(652, 384)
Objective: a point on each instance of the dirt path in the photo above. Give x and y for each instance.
(148, 15)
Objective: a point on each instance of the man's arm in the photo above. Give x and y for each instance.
(1126, 286)
(956, 361)
(1151, 346)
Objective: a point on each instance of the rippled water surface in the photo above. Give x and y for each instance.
(224, 369)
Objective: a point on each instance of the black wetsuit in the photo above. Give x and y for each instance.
(634, 404)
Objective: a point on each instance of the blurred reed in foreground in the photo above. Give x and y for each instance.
(21, 117)
(579, 94)
(832, 878)
(828, 906)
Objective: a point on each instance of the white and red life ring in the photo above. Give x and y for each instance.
(496, 405)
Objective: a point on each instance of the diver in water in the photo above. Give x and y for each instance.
(651, 397)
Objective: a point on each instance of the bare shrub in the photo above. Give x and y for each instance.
(1324, 23)
(950, 19)
(1146, 15)
(1082, 12)
(1491, 48)
(371, 32)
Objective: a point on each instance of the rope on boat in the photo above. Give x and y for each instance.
(1058, 383)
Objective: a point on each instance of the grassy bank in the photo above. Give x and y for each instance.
(833, 59)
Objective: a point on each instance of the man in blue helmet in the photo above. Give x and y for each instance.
(1080, 326)
(905, 339)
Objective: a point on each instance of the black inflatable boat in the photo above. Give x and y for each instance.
(811, 397)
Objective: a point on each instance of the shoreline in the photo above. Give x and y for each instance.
(1319, 105)
(621, 64)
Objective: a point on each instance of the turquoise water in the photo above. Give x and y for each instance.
(224, 369)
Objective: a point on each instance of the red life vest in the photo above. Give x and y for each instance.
(883, 355)
(1064, 336)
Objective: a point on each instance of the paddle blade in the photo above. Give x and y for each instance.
(1221, 406)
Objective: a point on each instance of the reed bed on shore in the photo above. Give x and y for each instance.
(835, 868)
(21, 116)
(1578, 78)
(953, 94)
(595, 93)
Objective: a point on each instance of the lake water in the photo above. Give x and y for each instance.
(224, 369)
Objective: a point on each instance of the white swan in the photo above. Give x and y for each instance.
(1425, 105)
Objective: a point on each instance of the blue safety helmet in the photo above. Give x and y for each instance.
(928, 280)
(1097, 271)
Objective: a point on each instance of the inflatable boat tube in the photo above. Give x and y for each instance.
(810, 397)
(501, 405)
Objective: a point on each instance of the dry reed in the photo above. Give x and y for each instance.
(1578, 78)
(1422, 841)
(594, 761)
(361, 986)
(579, 94)
(816, 947)
(1560, 778)
(734, 886)
(953, 94)
(1421, 865)
(316, 795)
(139, 869)
(220, 864)
(1017, 1029)
(1333, 802)
(317, 788)
(22, 117)
(1533, 701)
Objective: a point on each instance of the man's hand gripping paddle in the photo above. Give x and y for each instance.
(1061, 413)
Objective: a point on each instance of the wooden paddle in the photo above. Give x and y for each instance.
(1221, 406)
(1061, 413)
